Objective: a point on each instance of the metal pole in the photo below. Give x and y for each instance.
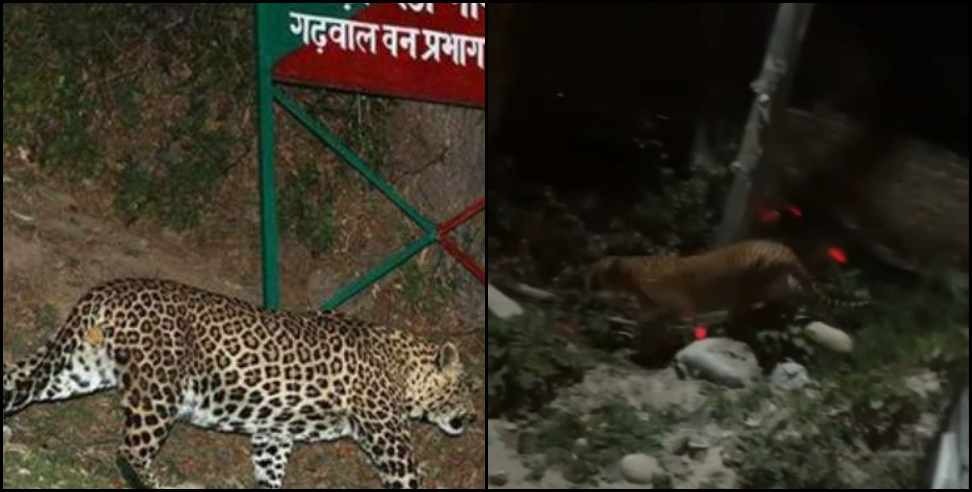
(269, 231)
(779, 65)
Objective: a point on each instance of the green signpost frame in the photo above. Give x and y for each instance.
(433, 52)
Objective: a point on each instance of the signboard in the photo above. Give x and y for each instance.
(423, 51)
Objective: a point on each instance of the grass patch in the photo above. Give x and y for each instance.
(582, 445)
(527, 362)
(426, 288)
(859, 426)
(87, 94)
(176, 184)
(839, 440)
(51, 471)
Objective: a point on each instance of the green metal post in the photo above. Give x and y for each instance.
(272, 44)
(269, 233)
(376, 274)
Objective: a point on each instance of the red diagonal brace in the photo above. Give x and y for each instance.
(467, 261)
(452, 248)
(473, 209)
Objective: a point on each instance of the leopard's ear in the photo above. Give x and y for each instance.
(448, 357)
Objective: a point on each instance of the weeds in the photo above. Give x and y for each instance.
(583, 445)
(75, 93)
(864, 411)
(307, 209)
(175, 185)
(83, 95)
(427, 289)
(527, 362)
(361, 121)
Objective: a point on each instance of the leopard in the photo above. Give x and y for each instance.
(180, 354)
(737, 277)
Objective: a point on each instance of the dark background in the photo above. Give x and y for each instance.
(587, 81)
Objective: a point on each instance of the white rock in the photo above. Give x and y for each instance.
(697, 444)
(830, 337)
(500, 305)
(790, 376)
(720, 360)
(534, 293)
(639, 469)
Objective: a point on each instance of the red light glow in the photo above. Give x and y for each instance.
(701, 332)
(768, 216)
(794, 211)
(837, 254)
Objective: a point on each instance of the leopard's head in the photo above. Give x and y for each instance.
(444, 393)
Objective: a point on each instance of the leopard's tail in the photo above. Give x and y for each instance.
(814, 292)
(26, 380)
(65, 367)
(835, 303)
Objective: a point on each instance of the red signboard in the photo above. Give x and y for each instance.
(425, 51)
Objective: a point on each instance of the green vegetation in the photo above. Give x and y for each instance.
(864, 410)
(858, 425)
(156, 103)
(527, 362)
(307, 208)
(362, 122)
(177, 184)
(52, 471)
(583, 445)
(426, 288)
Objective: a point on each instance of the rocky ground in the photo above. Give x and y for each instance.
(714, 418)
